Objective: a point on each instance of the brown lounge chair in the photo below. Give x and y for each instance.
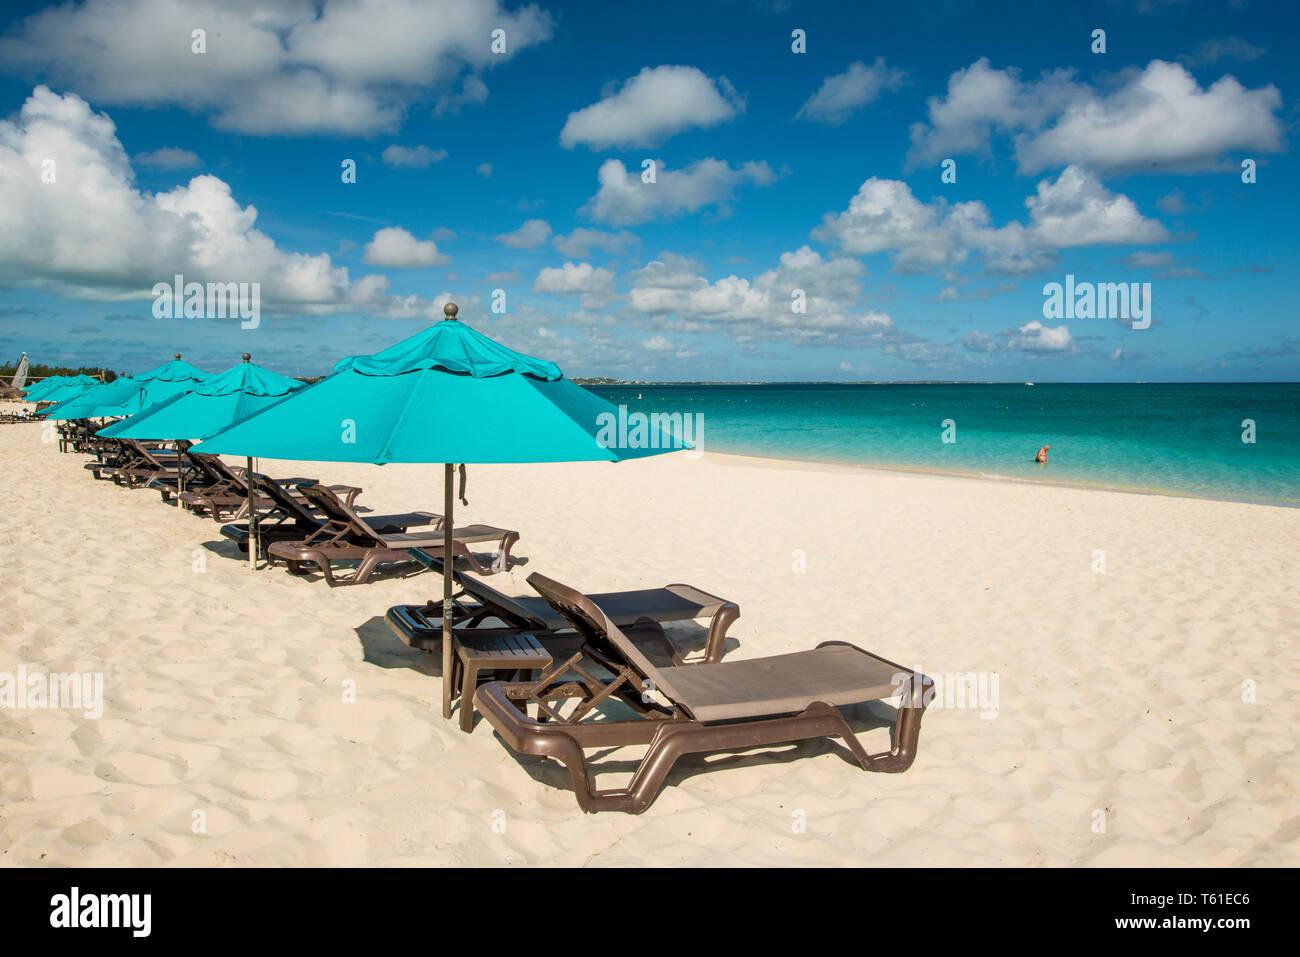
(347, 536)
(716, 706)
(228, 496)
(482, 611)
(289, 518)
(137, 464)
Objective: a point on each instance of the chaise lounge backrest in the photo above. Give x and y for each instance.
(283, 501)
(600, 633)
(336, 510)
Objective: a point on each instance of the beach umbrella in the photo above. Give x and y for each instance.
(169, 379)
(33, 393)
(232, 396)
(127, 395)
(66, 388)
(447, 394)
(97, 401)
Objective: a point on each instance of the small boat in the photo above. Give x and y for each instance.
(1028, 383)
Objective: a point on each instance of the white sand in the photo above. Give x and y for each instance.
(1120, 691)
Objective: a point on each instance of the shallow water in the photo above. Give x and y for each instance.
(1169, 437)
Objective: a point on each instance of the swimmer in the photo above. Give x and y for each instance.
(1041, 457)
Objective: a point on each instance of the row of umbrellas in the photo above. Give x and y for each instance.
(447, 394)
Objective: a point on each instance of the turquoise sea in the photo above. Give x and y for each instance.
(1168, 437)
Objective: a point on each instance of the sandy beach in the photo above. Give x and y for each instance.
(1124, 730)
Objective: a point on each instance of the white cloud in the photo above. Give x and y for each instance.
(169, 157)
(1075, 209)
(91, 234)
(484, 170)
(844, 93)
(398, 249)
(673, 287)
(1156, 118)
(657, 344)
(530, 235)
(473, 92)
(652, 106)
(1036, 337)
(412, 157)
(288, 68)
(594, 286)
(581, 241)
(623, 199)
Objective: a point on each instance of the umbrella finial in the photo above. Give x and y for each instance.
(450, 311)
(248, 357)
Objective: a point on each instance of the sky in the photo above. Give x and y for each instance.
(841, 191)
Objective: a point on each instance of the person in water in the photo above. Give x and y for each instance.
(1041, 457)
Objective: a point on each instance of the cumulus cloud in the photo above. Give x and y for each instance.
(650, 107)
(1036, 337)
(673, 288)
(169, 157)
(1155, 118)
(530, 235)
(288, 68)
(398, 249)
(412, 157)
(624, 199)
(592, 285)
(581, 241)
(484, 170)
(1075, 209)
(843, 94)
(91, 234)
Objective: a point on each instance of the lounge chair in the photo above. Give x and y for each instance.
(723, 706)
(290, 518)
(347, 536)
(481, 610)
(135, 464)
(227, 497)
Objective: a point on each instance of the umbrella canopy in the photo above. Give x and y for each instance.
(447, 394)
(59, 388)
(137, 392)
(239, 392)
(167, 380)
(48, 384)
(98, 401)
(399, 405)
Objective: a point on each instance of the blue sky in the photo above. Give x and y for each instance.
(776, 171)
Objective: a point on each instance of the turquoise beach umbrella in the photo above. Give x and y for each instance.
(34, 392)
(98, 401)
(134, 392)
(218, 403)
(447, 394)
(239, 392)
(66, 388)
(167, 380)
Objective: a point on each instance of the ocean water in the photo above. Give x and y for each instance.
(1167, 437)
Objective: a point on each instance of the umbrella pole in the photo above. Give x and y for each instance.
(252, 518)
(448, 505)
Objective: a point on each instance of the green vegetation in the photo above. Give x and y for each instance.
(36, 371)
